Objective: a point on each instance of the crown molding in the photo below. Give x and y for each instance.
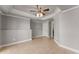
(70, 9)
(15, 16)
(19, 14)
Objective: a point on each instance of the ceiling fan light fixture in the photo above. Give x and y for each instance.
(39, 14)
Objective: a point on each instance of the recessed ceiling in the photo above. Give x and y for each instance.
(27, 8)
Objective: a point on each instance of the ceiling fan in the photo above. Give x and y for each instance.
(40, 11)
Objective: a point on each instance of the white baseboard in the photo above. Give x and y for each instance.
(37, 36)
(45, 35)
(5, 45)
(40, 36)
(66, 47)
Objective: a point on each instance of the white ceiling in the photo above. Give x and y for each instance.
(24, 10)
(64, 7)
(27, 8)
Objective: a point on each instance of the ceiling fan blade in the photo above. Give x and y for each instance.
(32, 11)
(46, 9)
